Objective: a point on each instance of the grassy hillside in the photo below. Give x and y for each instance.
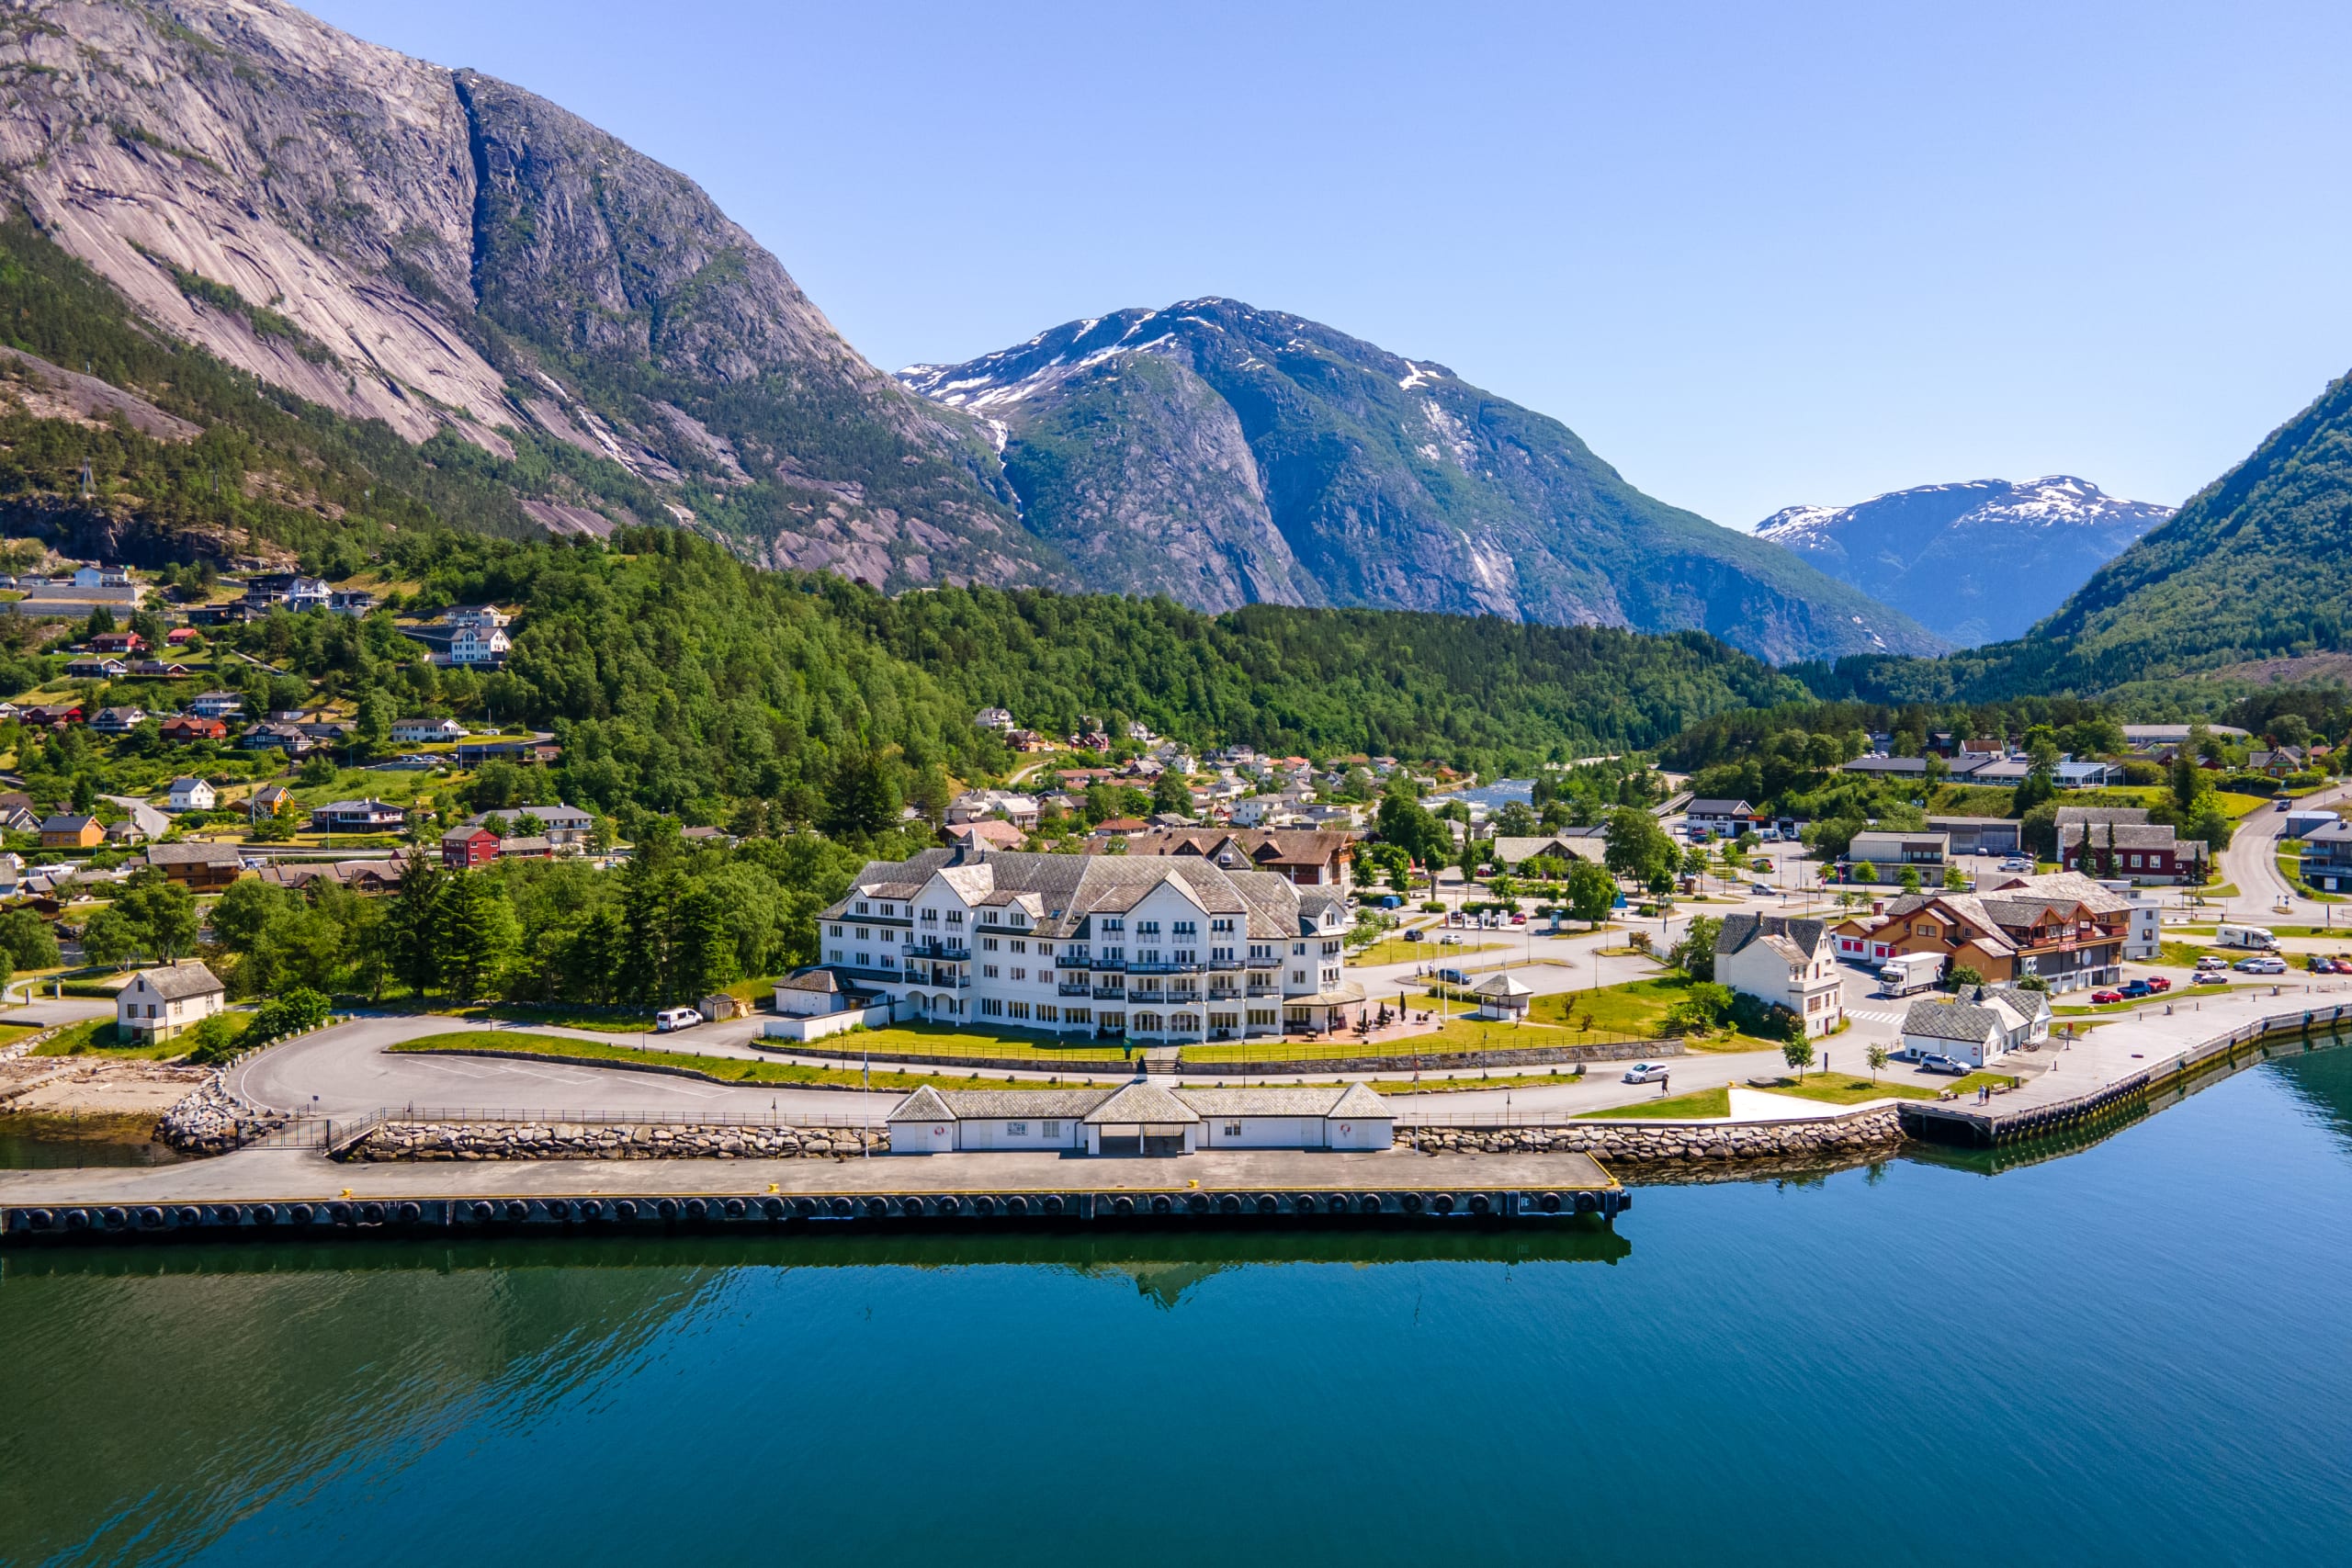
(685, 680)
(2252, 568)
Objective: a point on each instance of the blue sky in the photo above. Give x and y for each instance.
(1754, 254)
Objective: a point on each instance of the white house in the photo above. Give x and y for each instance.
(190, 794)
(485, 617)
(1791, 962)
(1947, 1026)
(160, 1003)
(1140, 1118)
(994, 718)
(412, 731)
(1155, 949)
(477, 643)
(1727, 817)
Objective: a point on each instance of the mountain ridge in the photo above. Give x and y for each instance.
(1331, 470)
(1975, 562)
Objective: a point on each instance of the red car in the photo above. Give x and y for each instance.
(2158, 983)
(2107, 996)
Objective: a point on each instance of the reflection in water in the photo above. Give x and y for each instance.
(283, 1372)
(1835, 1348)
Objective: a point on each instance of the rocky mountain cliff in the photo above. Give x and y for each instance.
(1224, 455)
(444, 251)
(1974, 562)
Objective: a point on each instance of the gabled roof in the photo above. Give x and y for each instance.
(1799, 938)
(923, 1105)
(176, 981)
(1951, 1021)
(1138, 1104)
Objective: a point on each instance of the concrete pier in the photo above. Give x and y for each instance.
(294, 1194)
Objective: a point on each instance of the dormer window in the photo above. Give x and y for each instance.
(861, 907)
(987, 916)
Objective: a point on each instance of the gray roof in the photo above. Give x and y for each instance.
(2128, 836)
(1717, 809)
(1141, 1105)
(1353, 1099)
(810, 980)
(1951, 1021)
(194, 854)
(1741, 931)
(1069, 890)
(177, 981)
(2071, 816)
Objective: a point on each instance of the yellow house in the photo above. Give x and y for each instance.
(270, 800)
(67, 832)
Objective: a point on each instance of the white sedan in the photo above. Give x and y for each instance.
(1644, 1072)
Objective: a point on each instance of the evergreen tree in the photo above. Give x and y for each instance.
(862, 798)
(413, 935)
(478, 932)
(705, 954)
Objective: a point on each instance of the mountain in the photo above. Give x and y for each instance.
(1225, 456)
(2251, 568)
(438, 249)
(1974, 562)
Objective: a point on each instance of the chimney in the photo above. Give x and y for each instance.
(1878, 906)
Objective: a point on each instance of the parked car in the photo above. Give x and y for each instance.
(2102, 997)
(2016, 863)
(2209, 977)
(2264, 964)
(2134, 989)
(2211, 960)
(1452, 977)
(670, 1020)
(1644, 1072)
(1518, 920)
(1951, 1066)
(1764, 888)
(2158, 984)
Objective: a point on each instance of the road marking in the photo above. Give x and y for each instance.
(1875, 1016)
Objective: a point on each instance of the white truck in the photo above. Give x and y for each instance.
(2254, 937)
(1907, 972)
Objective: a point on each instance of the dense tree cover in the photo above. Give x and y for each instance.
(675, 924)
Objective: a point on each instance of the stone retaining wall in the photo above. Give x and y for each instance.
(1633, 1142)
(212, 1122)
(580, 1140)
(1399, 1062)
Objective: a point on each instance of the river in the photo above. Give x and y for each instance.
(2141, 1352)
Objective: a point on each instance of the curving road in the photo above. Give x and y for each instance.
(2251, 865)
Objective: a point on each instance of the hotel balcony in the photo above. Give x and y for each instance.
(932, 947)
(1080, 989)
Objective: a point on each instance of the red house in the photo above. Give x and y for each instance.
(187, 726)
(117, 642)
(465, 847)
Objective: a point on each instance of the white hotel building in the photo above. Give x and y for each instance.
(1158, 949)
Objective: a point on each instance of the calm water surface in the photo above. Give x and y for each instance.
(2140, 1353)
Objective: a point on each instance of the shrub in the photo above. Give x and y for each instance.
(215, 1040)
(296, 1010)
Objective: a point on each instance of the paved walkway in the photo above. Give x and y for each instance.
(283, 1175)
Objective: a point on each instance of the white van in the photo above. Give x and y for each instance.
(670, 1020)
(2256, 937)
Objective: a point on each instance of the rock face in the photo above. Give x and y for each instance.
(440, 250)
(1226, 455)
(1974, 562)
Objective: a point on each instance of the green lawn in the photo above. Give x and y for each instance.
(1395, 950)
(1844, 1089)
(1706, 1102)
(94, 1037)
(934, 1040)
(719, 1069)
(1975, 1081)
(616, 1021)
(1454, 1035)
(12, 1032)
(1635, 1010)
(1453, 1083)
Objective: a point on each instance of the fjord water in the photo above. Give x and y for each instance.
(2140, 1352)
